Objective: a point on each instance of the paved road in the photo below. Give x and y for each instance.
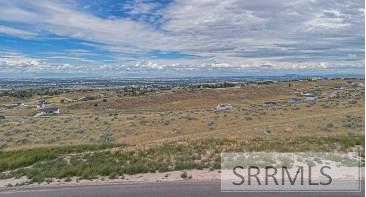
(171, 189)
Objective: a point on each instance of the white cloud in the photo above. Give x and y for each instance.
(140, 7)
(321, 21)
(14, 62)
(16, 32)
(290, 34)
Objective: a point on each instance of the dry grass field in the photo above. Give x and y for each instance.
(184, 121)
(186, 114)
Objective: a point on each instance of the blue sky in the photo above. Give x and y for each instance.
(186, 37)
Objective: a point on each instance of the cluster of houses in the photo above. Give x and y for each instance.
(134, 90)
(343, 94)
(43, 107)
(351, 91)
(20, 105)
(309, 96)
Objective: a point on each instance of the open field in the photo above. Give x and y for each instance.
(175, 130)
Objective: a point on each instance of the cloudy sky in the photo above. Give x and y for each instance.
(182, 37)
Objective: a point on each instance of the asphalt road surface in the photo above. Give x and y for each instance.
(167, 189)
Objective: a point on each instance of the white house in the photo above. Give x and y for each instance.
(224, 107)
(269, 104)
(41, 104)
(311, 98)
(52, 110)
(307, 94)
(15, 105)
(295, 100)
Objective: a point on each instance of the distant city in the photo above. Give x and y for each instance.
(85, 82)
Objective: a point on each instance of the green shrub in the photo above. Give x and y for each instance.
(184, 175)
(172, 156)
